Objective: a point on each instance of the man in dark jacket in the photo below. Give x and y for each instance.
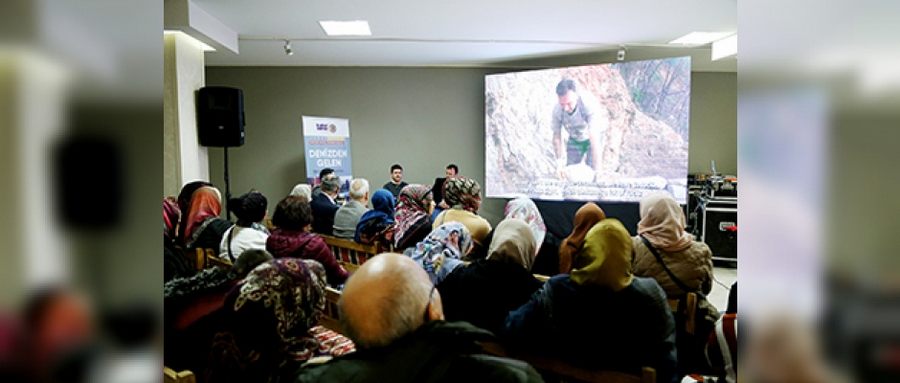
(390, 309)
(324, 207)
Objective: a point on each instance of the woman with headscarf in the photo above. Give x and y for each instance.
(302, 190)
(585, 218)
(292, 239)
(204, 228)
(486, 290)
(268, 321)
(412, 216)
(662, 226)
(184, 205)
(377, 225)
(191, 309)
(175, 264)
(247, 233)
(463, 195)
(547, 260)
(442, 251)
(599, 316)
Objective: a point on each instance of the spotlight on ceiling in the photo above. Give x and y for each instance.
(287, 48)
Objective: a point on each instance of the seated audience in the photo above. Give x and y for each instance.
(323, 174)
(396, 184)
(302, 190)
(547, 259)
(390, 309)
(175, 263)
(585, 218)
(291, 239)
(184, 205)
(348, 216)
(442, 251)
(485, 291)
(662, 225)
(247, 233)
(267, 323)
(204, 227)
(412, 216)
(600, 316)
(463, 195)
(192, 304)
(324, 206)
(377, 225)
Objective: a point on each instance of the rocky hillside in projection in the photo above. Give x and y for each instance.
(519, 148)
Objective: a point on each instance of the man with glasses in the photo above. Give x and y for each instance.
(393, 314)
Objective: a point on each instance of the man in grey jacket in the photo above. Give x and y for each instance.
(347, 216)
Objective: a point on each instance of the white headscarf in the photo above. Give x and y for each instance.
(524, 208)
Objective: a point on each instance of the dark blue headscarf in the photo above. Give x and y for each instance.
(380, 217)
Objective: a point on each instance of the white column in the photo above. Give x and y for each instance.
(184, 160)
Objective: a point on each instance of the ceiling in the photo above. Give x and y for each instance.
(465, 32)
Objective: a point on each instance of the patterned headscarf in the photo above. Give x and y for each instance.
(524, 208)
(442, 251)
(514, 242)
(662, 223)
(462, 193)
(585, 218)
(268, 318)
(184, 203)
(605, 259)
(412, 208)
(206, 203)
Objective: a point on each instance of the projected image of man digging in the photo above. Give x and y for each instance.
(577, 116)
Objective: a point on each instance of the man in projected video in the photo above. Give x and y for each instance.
(577, 116)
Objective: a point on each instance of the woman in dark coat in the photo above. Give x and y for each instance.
(483, 292)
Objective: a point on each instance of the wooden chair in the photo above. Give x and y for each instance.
(542, 278)
(349, 252)
(690, 310)
(171, 376)
(331, 317)
(204, 258)
(200, 257)
(569, 372)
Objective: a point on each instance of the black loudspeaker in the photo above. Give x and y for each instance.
(220, 116)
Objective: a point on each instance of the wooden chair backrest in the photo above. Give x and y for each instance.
(171, 376)
(348, 251)
(690, 310)
(331, 317)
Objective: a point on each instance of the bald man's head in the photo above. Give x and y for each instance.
(385, 299)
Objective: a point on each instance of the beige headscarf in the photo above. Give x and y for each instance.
(605, 259)
(513, 241)
(662, 223)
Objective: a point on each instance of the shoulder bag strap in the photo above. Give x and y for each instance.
(672, 276)
(230, 236)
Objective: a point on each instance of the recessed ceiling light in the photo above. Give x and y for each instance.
(699, 38)
(724, 48)
(346, 28)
